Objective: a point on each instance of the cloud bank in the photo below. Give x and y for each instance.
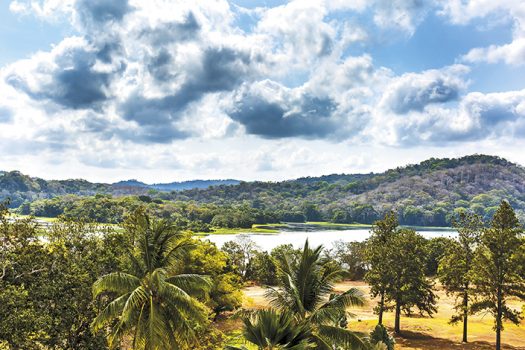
(153, 74)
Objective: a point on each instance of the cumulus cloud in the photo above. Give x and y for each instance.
(270, 110)
(403, 15)
(415, 91)
(512, 53)
(464, 12)
(97, 12)
(68, 75)
(161, 73)
(477, 117)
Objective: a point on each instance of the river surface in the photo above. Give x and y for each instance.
(316, 237)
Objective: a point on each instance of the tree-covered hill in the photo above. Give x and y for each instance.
(20, 188)
(428, 193)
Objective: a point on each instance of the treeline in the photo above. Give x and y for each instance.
(187, 215)
(202, 217)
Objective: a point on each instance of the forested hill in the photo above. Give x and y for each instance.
(427, 193)
(20, 188)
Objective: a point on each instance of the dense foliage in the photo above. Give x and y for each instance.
(187, 215)
(47, 275)
(428, 194)
(45, 286)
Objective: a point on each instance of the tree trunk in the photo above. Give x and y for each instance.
(381, 307)
(465, 316)
(397, 328)
(498, 320)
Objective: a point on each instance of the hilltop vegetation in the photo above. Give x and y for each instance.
(426, 194)
(20, 188)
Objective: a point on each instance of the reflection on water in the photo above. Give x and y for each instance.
(315, 237)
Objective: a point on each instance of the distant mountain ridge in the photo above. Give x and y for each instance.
(176, 186)
(19, 188)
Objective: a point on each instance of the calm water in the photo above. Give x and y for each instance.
(326, 237)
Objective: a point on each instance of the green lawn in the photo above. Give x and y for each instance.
(39, 218)
(332, 224)
(260, 229)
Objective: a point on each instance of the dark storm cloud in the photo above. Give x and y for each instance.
(221, 69)
(96, 12)
(108, 50)
(75, 84)
(6, 115)
(160, 66)
(79, 87)
(171, 32)
(309, 117)
(414, 97)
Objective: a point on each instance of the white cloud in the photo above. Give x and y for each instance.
(463, 12)
(167, 84)
(512, 53)
(415, 91)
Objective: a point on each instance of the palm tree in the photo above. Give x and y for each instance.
(269, 330)
(305, 289)
(154, 305)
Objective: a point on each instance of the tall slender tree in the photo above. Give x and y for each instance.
(153, 304)
(456, 267)
(498, 268)
(379, 274)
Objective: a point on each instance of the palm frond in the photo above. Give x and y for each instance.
(191, 282)
(116, 282)
(341, 337)
(112, 311)
(351, 298)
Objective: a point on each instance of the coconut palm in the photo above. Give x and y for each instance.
(153, 305)
(305, 289)
(269, 330)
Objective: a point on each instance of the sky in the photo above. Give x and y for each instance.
(169, 90)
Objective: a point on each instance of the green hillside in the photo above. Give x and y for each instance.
(427, 194)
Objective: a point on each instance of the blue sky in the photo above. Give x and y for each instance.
(172, 90)
(21, 36)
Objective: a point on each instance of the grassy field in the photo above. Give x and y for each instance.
(326, 224)
(260, 229)
(38, 218)
(417, 332)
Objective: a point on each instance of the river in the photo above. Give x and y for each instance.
(316, 237)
